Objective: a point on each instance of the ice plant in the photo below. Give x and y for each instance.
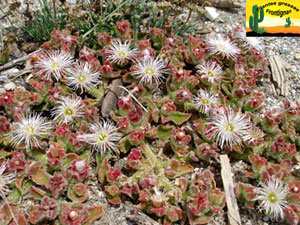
(103, 136)
(254, 137)
(68, 109)
(210, 72)
(54, 63)
(149, 70)
(229, 127)
(223, 47)
(272, 197)
(204, 101)
(29, 130)
(119, 52)
(5, 180)
(253, 42)
(83, 76)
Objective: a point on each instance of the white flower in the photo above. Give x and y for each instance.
(229, 127)
(119, 53)
(5, 180)
(240, 32)
(150, 69)
(30, 129)
(210, 71)
(54, 63)
(254, 135)
(253, 42)
(68, 109)
(272, 197)
(103, 136)
(204, 101)
(159, 197)
(223, 47)
(83, 76)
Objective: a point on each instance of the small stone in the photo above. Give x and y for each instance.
(297, 55)
(283, 50)
(3, 78)
(293, 77)
(265, 218)
(211, 13)
(10, 86)
(73, 215)
(2, 90)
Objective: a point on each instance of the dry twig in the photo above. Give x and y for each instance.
(233, 210)
(279, 74)
(15, 62)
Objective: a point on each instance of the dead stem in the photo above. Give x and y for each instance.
(165, 18)
(131, 95)
(186, 21)
(54, 8)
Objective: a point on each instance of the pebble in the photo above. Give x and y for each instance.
(297, 56)
(2, 90)
(10, 86)
(211, 13)
(265, 219)
(3, 78)
(283, 50)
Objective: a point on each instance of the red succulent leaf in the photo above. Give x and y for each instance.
(56, 154)
(79, 169)
(174, 213)
(78, 192)
(4, 124)
(36, 192)
(56, 185)
(183, 95)
(136, 137)
(6, 99)
(116, 200)
(113, 174)
(144, 195)
(104, 39)
(48, 208)
(135, 114)
(35, 216)
(17, 162)
(62, 129)
(130, 189)
(159, 211)
(113, 190)
(258, 162)
(292, 214)
(123, 124)
(125, 103)
(123, 29)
